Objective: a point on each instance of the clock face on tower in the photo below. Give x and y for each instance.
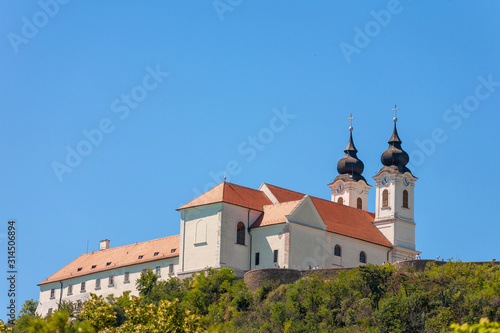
(385, 180)
(340, 188)
(406, 181)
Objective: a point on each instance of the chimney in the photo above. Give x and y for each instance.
(104, 244)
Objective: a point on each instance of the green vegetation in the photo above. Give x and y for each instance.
(367, 299)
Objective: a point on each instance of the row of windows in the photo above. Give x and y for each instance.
(111, 280)
(385, 198)
(141, 256)
(257, 257)
(359, 202)
(337, 251)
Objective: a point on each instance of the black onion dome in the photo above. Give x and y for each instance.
(395, 155)
(350, 163)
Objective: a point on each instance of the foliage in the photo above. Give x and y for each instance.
(484, 326)
(98, 313)
(165, 317)
(367, 299)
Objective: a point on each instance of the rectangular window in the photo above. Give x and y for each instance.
(50, 310)
(126, 278)
(82, 286)
(275, 259)
(157, 271)
(97, 283)
(144, 271)
(257, 259)
(52, 293)
(70, 289)
(111, 281)
(171, 269)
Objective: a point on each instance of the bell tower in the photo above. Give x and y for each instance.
(394, 210)
(350, 187)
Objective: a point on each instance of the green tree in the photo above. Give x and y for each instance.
(484, 326)
(98, 313)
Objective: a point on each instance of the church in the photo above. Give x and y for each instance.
(245, 228)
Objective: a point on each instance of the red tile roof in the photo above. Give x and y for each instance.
(167, 247)
(233, 194)
(349, 221)
(284, 195)
(275, 214)
(340, 219)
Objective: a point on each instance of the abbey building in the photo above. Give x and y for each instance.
(270, 226)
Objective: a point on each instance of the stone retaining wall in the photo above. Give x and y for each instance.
(254, 278)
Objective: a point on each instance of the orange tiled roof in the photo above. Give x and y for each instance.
(118, 257)
(233, 194)
(349, 221)
(275, 214)
(284, 195)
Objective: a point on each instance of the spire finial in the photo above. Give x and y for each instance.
(225, 176)
(395, 112)
(350, 119)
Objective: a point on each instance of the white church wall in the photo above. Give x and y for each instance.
(200, 238)
(235, 255)
(309, 246)
(119, 285)
(265, 240)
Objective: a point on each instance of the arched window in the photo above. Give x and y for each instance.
(385, 198)
(200, 235)
(337, 251)
(362, 257)
(405, 199)
(240, 233)
(360, 203)
(340, 200)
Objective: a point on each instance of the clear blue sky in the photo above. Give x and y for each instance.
(80, 67)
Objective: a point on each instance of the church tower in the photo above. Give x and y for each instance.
(394, 210)
(350, 187)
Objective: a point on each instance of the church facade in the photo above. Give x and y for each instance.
(244, 229)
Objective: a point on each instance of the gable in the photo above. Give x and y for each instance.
(305, 213)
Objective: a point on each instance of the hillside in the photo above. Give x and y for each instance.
(366, 299)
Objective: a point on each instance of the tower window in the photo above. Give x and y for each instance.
(337, 251)
(257, 259)
(362, 257)
(275, 259)
(240, 233)
(405, 199)
(340, 200)
(385, 198)
(360, 203)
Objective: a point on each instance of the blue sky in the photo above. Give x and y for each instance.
(172, 93)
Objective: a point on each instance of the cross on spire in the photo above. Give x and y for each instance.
(395, 112)
(350, 119)
(225, 176)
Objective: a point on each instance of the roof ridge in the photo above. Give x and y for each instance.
(282, 188)
(326, 200)
(126, 245)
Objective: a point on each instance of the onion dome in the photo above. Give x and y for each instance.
(350, 164)
(395, 155)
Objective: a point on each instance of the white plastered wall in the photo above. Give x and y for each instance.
(310, 246)
(117, 289)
